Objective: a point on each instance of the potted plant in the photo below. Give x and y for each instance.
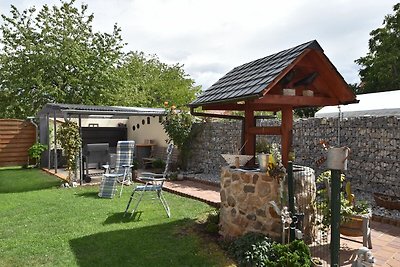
(352, 211)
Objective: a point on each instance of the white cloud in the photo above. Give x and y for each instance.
(210, 37)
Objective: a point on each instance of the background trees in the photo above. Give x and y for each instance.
(53, 55)
(380, 68)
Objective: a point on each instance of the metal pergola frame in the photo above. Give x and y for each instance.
(68, 111)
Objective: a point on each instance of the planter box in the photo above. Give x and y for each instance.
(352, 227)
(389, 202)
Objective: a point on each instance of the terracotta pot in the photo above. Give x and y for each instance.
(352, 227)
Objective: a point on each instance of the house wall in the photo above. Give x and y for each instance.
(374, 162)
(142, 128)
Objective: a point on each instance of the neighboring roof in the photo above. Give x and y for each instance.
(87, 110)
(374, 104)
(250, 79)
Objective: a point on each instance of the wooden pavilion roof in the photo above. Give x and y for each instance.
(260, 82)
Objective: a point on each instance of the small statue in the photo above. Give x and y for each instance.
(364, 258)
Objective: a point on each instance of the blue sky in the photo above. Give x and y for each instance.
(210, 37)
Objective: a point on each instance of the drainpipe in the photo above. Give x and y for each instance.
(31, 119)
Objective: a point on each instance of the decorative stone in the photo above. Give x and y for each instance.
(231, 201)
(261, 213)
(249, 189)
(255, 178)
(251, 217)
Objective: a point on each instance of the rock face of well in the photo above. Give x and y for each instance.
(245, 204)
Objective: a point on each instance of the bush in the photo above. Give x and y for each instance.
(158, 164)
(294, 254)
(255, 249)
(251, 249)
(212, 222)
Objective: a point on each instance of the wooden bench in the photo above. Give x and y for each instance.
(159, 152)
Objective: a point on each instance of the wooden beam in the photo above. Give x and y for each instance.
(287, 133)
(275, 130)
(285, 71)
(297, 101)
(249, 138)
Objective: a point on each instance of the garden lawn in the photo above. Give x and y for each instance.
(42, 224)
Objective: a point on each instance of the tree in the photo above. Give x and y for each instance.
(380, 68)
(149, 82)
(52, 55)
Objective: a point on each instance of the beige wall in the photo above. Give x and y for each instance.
(153, 131)
(103, 122)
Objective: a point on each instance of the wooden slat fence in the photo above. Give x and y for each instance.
(16, 137)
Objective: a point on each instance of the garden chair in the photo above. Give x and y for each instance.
(122, 172)
(152, 183)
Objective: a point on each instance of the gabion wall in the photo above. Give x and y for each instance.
(374, 163)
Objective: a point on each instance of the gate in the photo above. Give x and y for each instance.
(16, 137)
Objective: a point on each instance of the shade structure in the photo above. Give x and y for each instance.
(298, 77)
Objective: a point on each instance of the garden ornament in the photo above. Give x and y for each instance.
(364, 258)
(285, 218)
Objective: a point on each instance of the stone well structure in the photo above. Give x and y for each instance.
(245, 204)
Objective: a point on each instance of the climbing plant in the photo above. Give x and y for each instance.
(70, 140)
(178, 126)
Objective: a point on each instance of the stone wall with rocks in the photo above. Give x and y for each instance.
(211, 140)
(374, 162)
(245, 204)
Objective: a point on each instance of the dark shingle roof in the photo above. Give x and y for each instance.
(250, 79)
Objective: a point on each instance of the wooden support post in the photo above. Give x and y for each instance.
(249, 138)
(286, 139)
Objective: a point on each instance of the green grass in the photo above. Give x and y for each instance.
(44, 225)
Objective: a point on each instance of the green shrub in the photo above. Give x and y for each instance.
(255, 249)
(294, 254)
(212, 222)
(158, 164)
(251, 249)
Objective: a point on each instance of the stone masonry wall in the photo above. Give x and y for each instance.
(374, 162)
(245, 206)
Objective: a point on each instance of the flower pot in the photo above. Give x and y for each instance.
(352, 227)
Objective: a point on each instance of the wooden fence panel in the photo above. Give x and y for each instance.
(16, 137)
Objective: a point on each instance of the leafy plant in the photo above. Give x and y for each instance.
(255, 249)
(158, 164)
(262, 146)
(251, 249)
(178, 125)
(294, 254)
(71, 142)
(212, 222)
(348, 205)
(36, 150)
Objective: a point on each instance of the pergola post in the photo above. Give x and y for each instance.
(287, 133)
(249, 138)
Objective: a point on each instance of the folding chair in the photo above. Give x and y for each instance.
(122, 172)
(152, 183)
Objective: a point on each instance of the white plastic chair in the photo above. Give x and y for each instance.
(152, 183)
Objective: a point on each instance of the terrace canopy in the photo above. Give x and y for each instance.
(258, 86)
(67, 111)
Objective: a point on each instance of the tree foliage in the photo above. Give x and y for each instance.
(148, 82)
(52, 55)
(380, 68)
